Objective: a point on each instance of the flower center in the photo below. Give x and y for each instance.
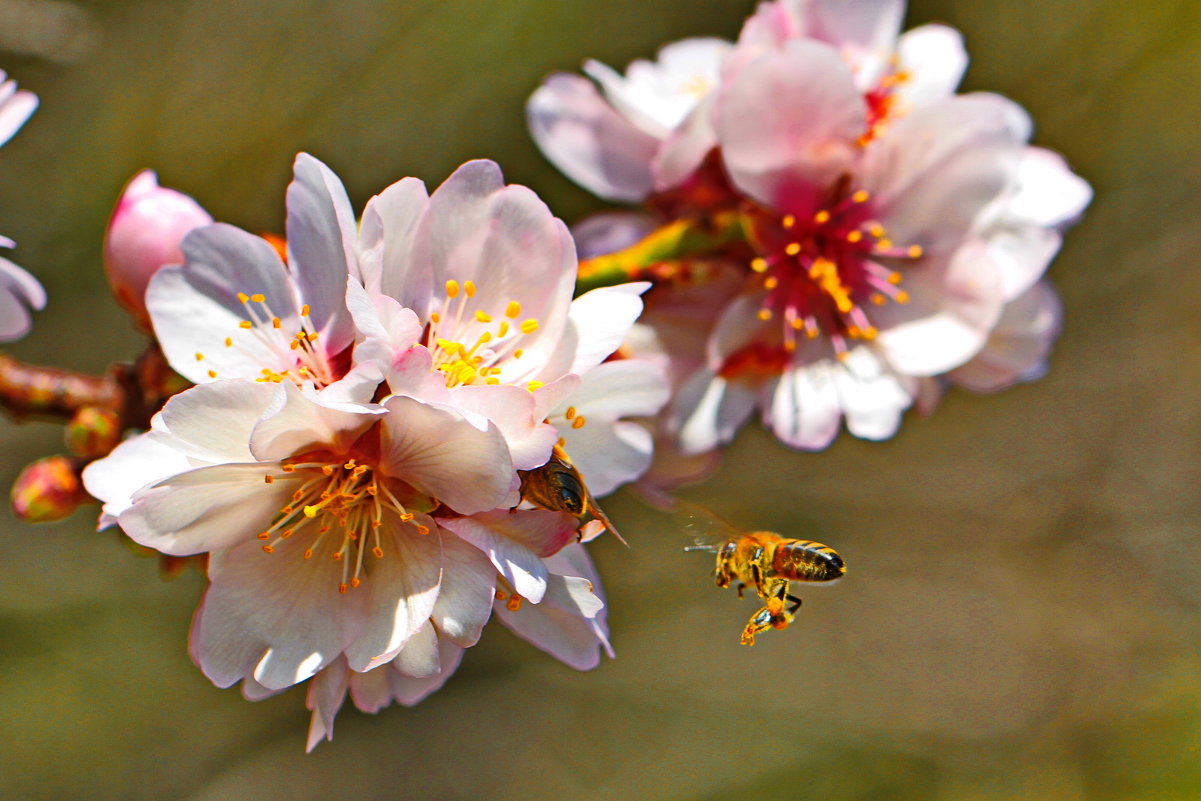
(819, 274)
(472, 345)
(338, 508)
(883, 104)
(310, 363)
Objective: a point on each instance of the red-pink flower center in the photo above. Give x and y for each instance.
(824, 273)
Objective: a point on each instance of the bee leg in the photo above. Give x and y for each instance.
(760, 621)
(741, 587)
(796, 604)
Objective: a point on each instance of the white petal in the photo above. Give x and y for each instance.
(686, 147)
(872, 397)
(370, 691)
(322, 247)
(19, 292)
(468, 589)
(408, 690)
(195, 308)
(512, 410)
(133, 464)
(708, 410)
(560, 624)
(518, 564)
(600, 320)
(1049, 193)
(419, 658)
(395, 222)
(326, 693)
(206, 509)
(214, 422)
(297, 422)
(1018, 348)
(591, 143)
(401, 589)
(934, 58)
(803, 407)
(15, 108)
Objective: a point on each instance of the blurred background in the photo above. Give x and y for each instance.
(1021, 617)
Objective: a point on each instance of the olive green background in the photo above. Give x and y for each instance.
(1021, 615)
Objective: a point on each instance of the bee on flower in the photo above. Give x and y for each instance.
(349, 456)
(832, 232)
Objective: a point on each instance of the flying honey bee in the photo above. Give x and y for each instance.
(558, 486)
(769, 563)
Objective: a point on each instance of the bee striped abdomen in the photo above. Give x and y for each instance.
(805, 560)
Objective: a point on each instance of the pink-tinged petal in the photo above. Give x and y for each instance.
(468, 588)
(396, 231)
(540, 531)
(408, 690)
(133, 464)
(419, 658)
(617, 389)
(253, 691)
(949, 317)
(802, 407)
(939, 167)
(385, 327)
(15, 108)
(512, 410)
(516, 562)
(195, 308)
(206, 509)
(143, 235)
(277, 614)
(440, 453)
(1018, 348)
(608, 232)
(370, 691)
(561, 624)
(1022, 254)
(354, 391)
(325, 695)
(574, 560)
(608, 453)
(20, 292)
(708, 410)
(214, 422)
(934, 58)
(581, 134)
(506, 241)
(1049, 193)
(322, 248)
(412, 373)
(401, 588)
(553, 394)
(686, 147)
(873, 398)
(298, 421)
(788, 125)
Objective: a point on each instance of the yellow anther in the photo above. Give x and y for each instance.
(811, 333)
(870, 333)
(229, 343)
(790, 345)
(243, 297)
(512, 310)
(355, 582)
(877, 299)
(258, 297)
(771, 282)
(797, 323)
(275, 322)
(246, 324)
(336, 556)
(288, 468)
(894, 278)
(822, 217)
(304, 310)
(264, 535)
(788, 221)
(308, 553)
(517, 353)
(570, 413)
(533, 385)
(268, 479)
(482, 317)
(212, 373)
(378, 552)
(853, 332)
(500, 595)
(884, 244)
(268, 549)
(578, 422)
(485, 338)
(764, 314)
(469, 288)
(860, 197)
(406, 517)
(452, 288)
(423, 530)
(503, 328)
(902, 297)
(759, 265)
(529, 326)
(514, 603)
(342, 587)
(435, 317)
(915, 251)
(311, 511)
(793, 248)
(876, 230)
(855, 236)
(491, 380)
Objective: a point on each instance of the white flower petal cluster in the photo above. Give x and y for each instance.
(348, 459)
(900, 231)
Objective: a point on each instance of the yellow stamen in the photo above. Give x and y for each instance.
(759, 265)
(793, 248)
(822, 217)
(469, 288)
(258, 297)
(512, 310)
(452, 288)
(529, 326)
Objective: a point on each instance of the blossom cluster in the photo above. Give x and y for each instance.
(884, 235)
(382, 430)
(367, 401)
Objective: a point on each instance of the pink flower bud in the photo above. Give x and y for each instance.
(93, 432)
(143, 235)
(47, 490)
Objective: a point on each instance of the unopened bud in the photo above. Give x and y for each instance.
(47, 490)
(143, 235)
(93, 432)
